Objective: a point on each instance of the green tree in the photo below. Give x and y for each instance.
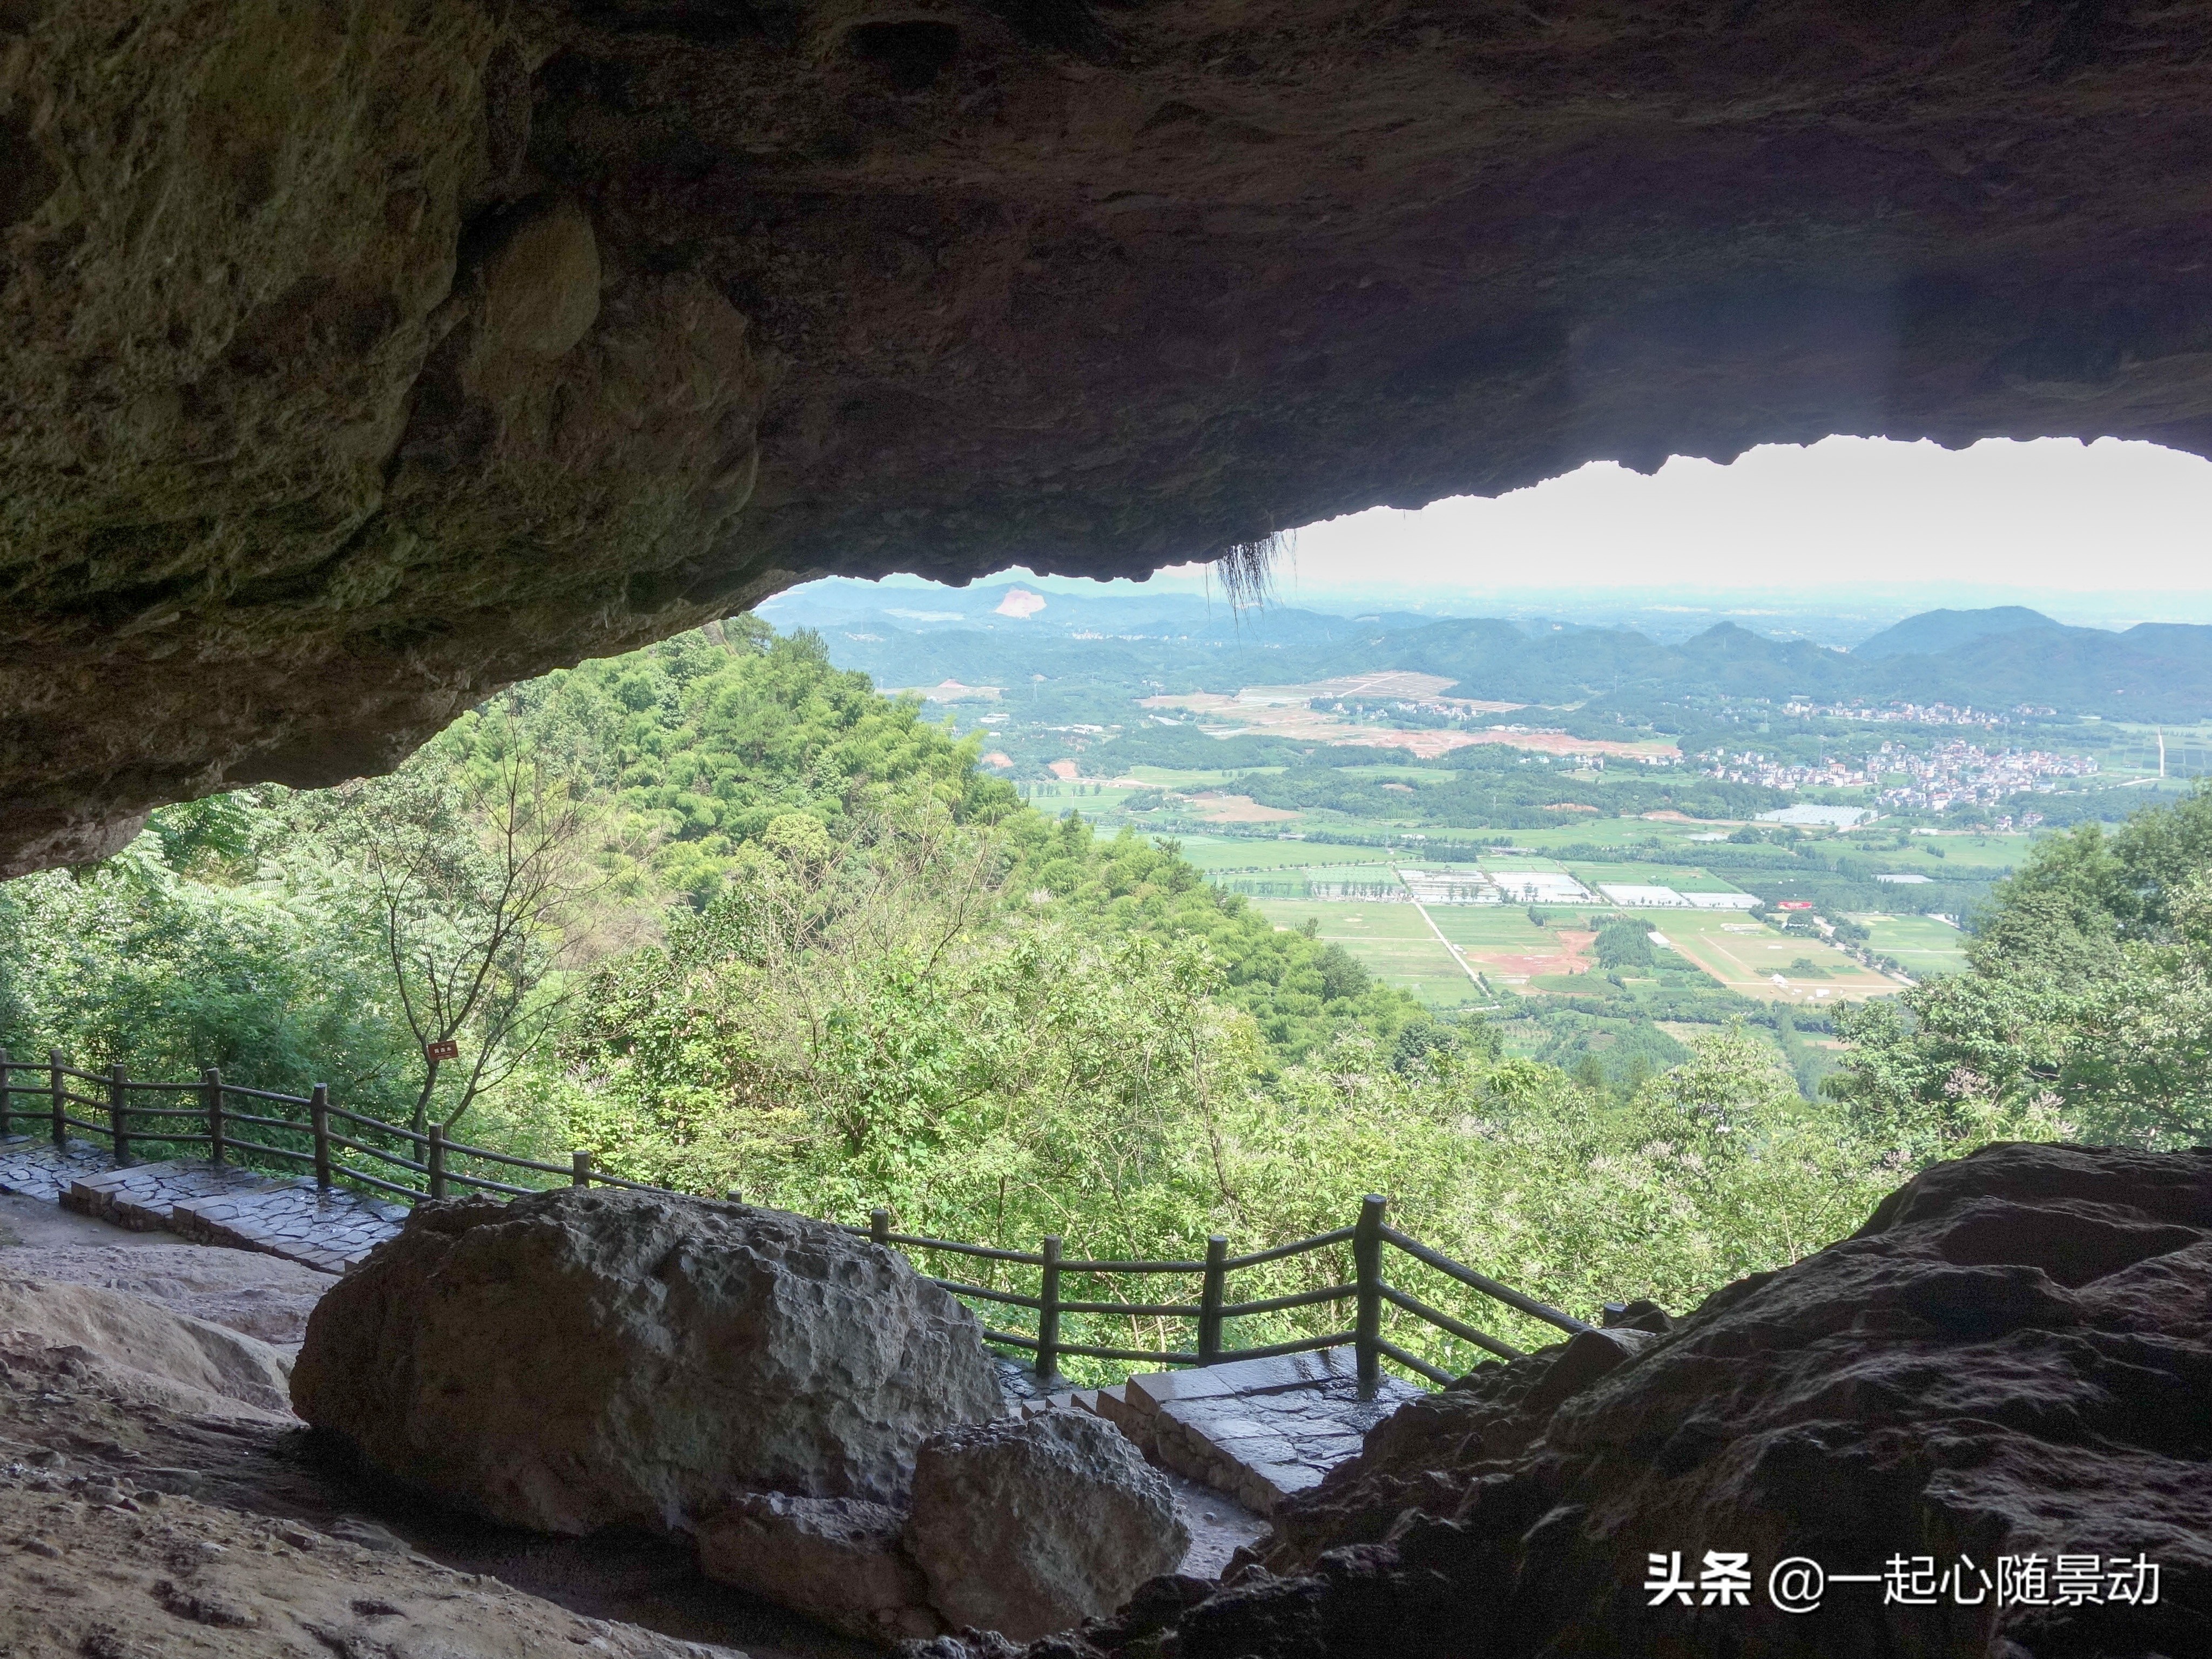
(248, 958)
(2087, 996)
(475, 880)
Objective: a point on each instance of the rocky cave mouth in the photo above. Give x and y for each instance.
(362, 369)
(365, 361)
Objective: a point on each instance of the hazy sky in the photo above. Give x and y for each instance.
(2053, 515)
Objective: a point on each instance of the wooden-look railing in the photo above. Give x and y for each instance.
(320, 1132)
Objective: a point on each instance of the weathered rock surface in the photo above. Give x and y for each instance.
(90, 1572)
(363, 359)
(580, 1359)
(1032, 1525)
(2011, 1359)
(134, 1348)
(260, 1296)
(841, 1560)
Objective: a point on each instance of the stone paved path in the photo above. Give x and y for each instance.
(331, 1229)
(207, 1203)
(1257, 1429)
(33, 1166)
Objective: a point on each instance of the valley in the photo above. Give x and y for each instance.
(1754, 923)
(1462, 804)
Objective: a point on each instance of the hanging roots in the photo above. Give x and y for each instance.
(1247, 568)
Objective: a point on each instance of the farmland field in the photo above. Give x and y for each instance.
(1168, 777)
(1212, 853)
(1391, 940)
(1607, 832)
(1512, 950)
(1921, 944)
(1929, 855)
(1744, 955)
(1092, 799)
(1385, 874)
(1521, 861)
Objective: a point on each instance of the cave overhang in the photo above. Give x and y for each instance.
(365, 358)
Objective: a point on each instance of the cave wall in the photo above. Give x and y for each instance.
(364, 355)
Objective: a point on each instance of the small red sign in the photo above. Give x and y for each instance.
(1795, 904)
(444, 1048)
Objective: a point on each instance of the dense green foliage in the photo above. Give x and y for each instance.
(787, 940)
(826, 1039)
(2089, 995)
(701, 742)
(162, 960)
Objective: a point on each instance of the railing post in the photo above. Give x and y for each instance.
(1047, 1359)
(1211, 1295)
(1367, 1271)
(580, 1169)
(319, 1121)
(879, 1226)
(119, 1131)
(434, 1156)
(7, 1096)
(211, 1097)
(60, 1095)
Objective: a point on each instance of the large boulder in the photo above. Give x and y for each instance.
(585, 1358)
(2005, 1373)
(1027, 1526)
(841, 1560)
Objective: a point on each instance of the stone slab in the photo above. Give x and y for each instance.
(1276, 1374)
(1257, 1429)
(143, 1196)
(207, 1203)
(333, 1230)
(1115, 1405)
(34, 1167)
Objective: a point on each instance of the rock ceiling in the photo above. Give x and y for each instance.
(364, 355)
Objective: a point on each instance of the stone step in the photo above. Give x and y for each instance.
(331, 1230)
(1081, 1399)
(1259, 1430)
(1113, 1404)
(144, 1196)
(208, 1203)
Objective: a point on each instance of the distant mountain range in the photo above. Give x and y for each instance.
(1933, 631)
(1995, 658)
(1017, 611)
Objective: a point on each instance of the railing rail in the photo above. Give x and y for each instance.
(127, 1124)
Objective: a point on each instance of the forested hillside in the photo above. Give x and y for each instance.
(722, 915)
(2090, 995)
